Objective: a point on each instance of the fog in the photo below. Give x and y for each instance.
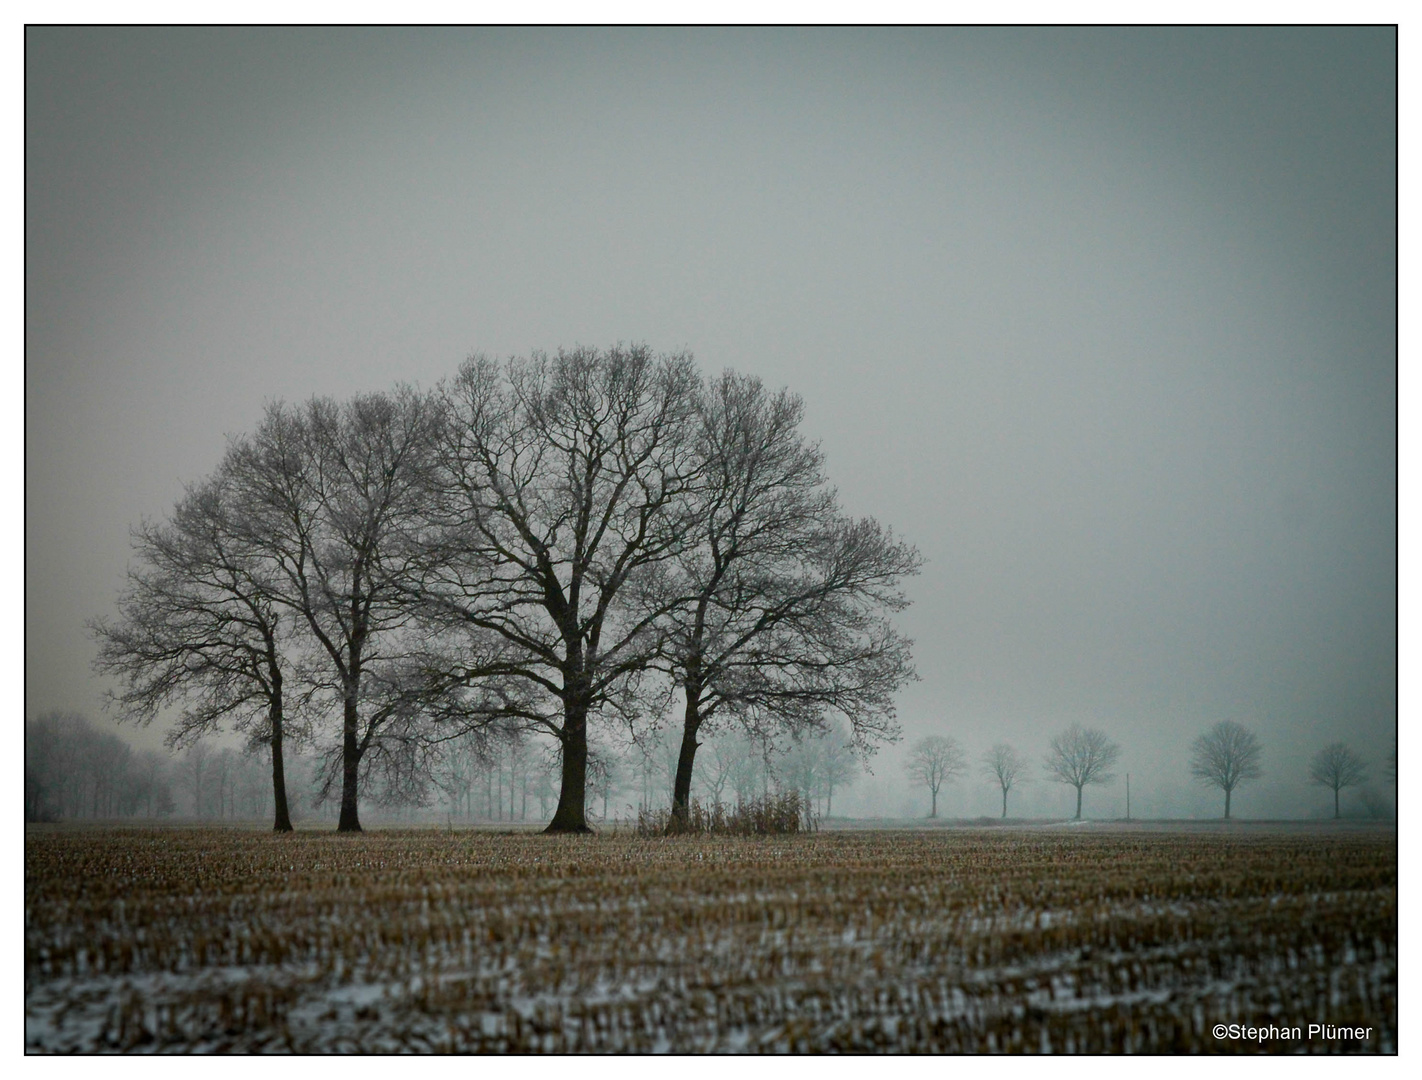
(1103, 321)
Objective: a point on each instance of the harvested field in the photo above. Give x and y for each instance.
(959, 940)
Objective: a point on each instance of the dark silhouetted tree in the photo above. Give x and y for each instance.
(1226, 756)
(1081, 756)
(328, 494)
(198, 626)
(784, 615)
(561, 481)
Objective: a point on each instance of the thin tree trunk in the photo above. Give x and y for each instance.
(1004, 802)
(1227, 794)
(934, 814)
(1335, 802)
(1078, 802)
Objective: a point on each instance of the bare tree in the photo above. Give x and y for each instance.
(839, 765)
(1081, 756)
(718, 770)
(1005, 765)
(935, 760)
(44, 746)
(1337, 767)
(785, 600)
(1226, 756)
(561, 481)
(328, 492)
(196, 768)
(73, 770)
(198, 625)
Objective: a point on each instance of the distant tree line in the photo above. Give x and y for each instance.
(1225, 756)
(491, 578)
(74, 771)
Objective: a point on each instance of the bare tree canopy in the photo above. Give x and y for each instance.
(537, 544)
(327, 493)
(785, 603)
(560, 481)
(198, 625)
(1225, 756)
(1081, 756)
(1005, 765)
(1336, 767)
(935, 760)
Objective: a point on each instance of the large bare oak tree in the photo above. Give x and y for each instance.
(328, 493)
(784, 609)
(562, 481)
(199, 626)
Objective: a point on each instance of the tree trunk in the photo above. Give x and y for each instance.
(686, 761)
(283, 816)
(934, 814)
(1004, 803)
(571, 814)
(1335, 801)
(1227, 794)
(1078, 802)
(350, 770)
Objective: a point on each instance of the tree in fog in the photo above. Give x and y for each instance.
(328, 492)
(462, 760)
(1005, 765)
(198, 627)
(935, 761)
(1226, 756)
(155, 786)
(839, 765)
(1081, 756)
(747, 766)
(194, 774)
(717, 768)
(785, 600)
(561, 480)
(603, 777)
(74, 771)
(1336, 767)
(43, 747)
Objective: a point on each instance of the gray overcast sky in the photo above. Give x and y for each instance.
(1104, 321)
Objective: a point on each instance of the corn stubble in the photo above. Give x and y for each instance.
(953, 941)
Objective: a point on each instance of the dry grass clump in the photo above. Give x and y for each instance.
(775, 815)
(971, 940)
